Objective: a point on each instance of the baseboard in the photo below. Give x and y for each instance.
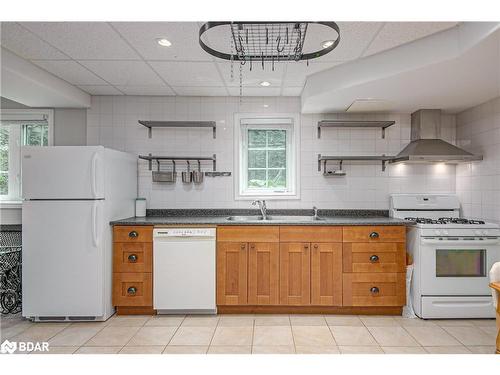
(345, 310)
(128, 310)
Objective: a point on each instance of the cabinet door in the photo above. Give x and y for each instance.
(326, 274)
(232, 263)
(263, 273)
(295, 272)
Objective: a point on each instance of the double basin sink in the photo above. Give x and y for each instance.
(272, 218)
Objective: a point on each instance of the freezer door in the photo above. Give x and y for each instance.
(63, 255)
(63, 172)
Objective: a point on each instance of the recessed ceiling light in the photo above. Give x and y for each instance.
(327, 43)
(164, 42)
(265, 83)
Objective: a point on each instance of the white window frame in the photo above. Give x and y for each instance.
(13, 199)
(288, 121)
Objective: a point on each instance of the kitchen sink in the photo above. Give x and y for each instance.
(274, 218)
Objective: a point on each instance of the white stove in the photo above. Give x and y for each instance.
(452, 256)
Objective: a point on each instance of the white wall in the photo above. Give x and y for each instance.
(478, 184)
(112, 122)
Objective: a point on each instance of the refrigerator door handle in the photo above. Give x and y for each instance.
(93, 173)
(95, 238)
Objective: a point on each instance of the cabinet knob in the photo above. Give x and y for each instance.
(132, 291)
(374, 235)
(316, 246)
(306, 247)
(133, 234)
(252, 247)
(132, 258)
(243, 247)
(374, 290)
(374, 258)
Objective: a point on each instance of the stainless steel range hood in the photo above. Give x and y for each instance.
(426, 145)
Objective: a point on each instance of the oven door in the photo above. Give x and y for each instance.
(457, 266)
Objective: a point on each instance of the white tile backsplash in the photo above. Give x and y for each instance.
(478, 183)
(112, 122)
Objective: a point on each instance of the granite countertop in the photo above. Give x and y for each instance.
(219, 217)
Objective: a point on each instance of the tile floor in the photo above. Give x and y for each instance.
(258, 334)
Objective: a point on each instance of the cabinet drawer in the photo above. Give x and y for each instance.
(248, 233)
(374, 289)
(132, 257)
(374, 257)
(374, 234)
(132, 234)
(132, 289)
(313, 233)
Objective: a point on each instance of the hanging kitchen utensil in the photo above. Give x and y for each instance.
(165, 176)
(187, 176)
(198, 175)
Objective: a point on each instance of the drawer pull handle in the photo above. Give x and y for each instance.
(132, 258)
(374, 290)
(132, 291)
(133, 234)
(374, 258)
(374, 235)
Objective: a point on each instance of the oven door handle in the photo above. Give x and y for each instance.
(461, 243)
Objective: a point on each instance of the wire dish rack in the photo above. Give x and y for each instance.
(10, 272)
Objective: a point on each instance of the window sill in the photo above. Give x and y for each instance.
(11, 204)
(268, 196)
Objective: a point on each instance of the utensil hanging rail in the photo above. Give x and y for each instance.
(173, 159)
(179, 124)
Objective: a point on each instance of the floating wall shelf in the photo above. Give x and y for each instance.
(173, 159)
(354, 124)
(324, 159)
(179, 124)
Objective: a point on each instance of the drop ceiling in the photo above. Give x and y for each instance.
(123, 58)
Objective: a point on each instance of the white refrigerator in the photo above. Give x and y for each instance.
(70, 194)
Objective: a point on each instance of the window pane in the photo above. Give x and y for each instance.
(256, 159)
(4, 148)
(277, 178)
(32, 135)
(277, 159)
(4, 184)
(276, 138)
(256, 138)
(256, 178)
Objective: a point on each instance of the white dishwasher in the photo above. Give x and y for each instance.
(184, 270)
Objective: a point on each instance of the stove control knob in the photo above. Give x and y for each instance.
(445, 232)
(485, 232)
(438, 232)
(478, 232)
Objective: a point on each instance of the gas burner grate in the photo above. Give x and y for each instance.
(444, 220)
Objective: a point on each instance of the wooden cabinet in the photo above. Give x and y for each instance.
(374, 257)
(374, 289)
(232, 268)
(263, 273)
(132, 269)
(326, 274)
(374, 234)
(295, 273)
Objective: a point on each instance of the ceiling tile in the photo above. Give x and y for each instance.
(297, 72)
(354, 38)
(70, 71)
(255, 91)
(84, 40)
(252, 77)
(100, 90)
(183, 36)
(125, 73)
(397, 33)
(292, 91)
(26, 44)
(201, 91)
(146, 90)
(192, 74)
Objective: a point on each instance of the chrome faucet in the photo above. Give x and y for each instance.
(315, 212)
(262, 207)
